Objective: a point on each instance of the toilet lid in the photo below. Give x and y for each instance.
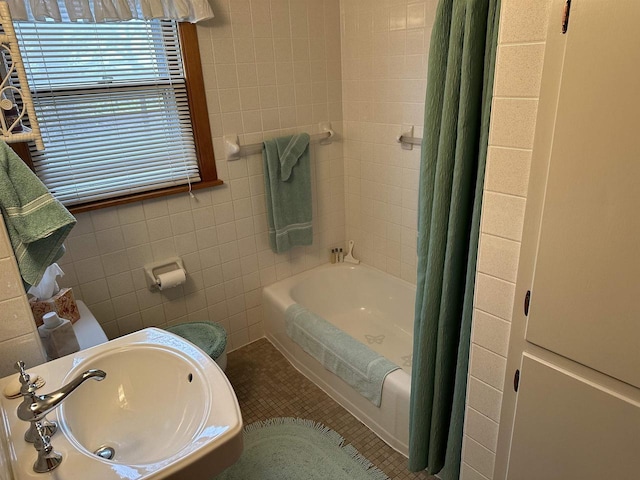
(210, 337)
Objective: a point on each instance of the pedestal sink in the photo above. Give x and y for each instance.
(165, 410)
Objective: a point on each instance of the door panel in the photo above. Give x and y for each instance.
(568, 428)
(587, 279)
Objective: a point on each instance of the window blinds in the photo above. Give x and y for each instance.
(112, 104)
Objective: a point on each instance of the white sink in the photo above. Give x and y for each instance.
(165, 408)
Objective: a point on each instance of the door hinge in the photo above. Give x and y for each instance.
(527, 302)
(516, 380)
(565, 16)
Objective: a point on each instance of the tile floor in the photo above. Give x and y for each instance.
(268, 386)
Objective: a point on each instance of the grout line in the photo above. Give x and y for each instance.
(470, 467)
(529, 150)
(515, 97)
(490, 351)
(480, 413)
(479, 444)
(497, 278)
(492, 314)
(501, 392)
(507, 97)
(502, 238)
(519, 242)
(505, 193)
(513, 44)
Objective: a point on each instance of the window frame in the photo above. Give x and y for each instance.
(199, 115)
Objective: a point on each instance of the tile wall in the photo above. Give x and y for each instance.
(270, 67)
(523, 28)
(18, 335)
(384, 50)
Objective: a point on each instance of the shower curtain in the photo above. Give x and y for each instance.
(454, 150)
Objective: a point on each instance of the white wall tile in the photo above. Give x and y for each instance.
(484, 398)
(14, 321)
(468, 473)
(478, 457)
(513, 122)
(491, 332)
(503, 215)
(482, 429)
(10, 282)
(521, 70)
(524, 21)
(508, 171)
(494, 296)
(523, 27)
(18, 335)
(26, 348)
(384, 86)
(487, 367)
(498, 257)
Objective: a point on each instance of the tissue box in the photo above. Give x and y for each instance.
(63, 303)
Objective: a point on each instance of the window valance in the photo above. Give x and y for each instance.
(98, 11)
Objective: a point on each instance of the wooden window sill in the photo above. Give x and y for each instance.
(138, 197)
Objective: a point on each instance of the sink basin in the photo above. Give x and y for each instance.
(165, 410)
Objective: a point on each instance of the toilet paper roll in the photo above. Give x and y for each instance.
(171, 279)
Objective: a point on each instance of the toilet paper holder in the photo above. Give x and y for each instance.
(152, 270)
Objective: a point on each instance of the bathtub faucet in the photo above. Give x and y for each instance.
(349, 258)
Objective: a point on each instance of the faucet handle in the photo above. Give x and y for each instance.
(48, 459)
(24, 376)
(27, 390)
(27, 385)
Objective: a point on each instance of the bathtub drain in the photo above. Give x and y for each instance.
(105, 452)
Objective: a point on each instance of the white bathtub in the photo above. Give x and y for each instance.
(371, 306)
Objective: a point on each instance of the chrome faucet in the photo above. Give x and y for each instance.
(34, 407)
(27, 389)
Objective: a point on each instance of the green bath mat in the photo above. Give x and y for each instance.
(298, 449)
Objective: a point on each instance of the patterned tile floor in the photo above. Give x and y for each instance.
(268, 386)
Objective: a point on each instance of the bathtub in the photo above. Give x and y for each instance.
(371, 306)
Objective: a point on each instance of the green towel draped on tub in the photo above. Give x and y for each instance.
(36, 222)
(287, 178)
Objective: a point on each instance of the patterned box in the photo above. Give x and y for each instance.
(63, 303)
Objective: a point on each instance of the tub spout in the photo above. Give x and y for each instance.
(349, 258)
(35, 407)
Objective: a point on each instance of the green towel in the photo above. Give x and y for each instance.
(287, 179)
(340, 353)
(36, 222)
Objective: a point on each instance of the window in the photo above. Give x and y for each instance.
(119, 110)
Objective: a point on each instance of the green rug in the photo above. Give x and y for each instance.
(298, 449)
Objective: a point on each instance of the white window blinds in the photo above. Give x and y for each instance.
(112, 104)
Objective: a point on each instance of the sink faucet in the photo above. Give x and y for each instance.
(34, 407)
(27, 389)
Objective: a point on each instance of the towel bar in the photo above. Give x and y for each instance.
(234, 150)
(409, 140)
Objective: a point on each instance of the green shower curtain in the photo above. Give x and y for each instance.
(454, 150)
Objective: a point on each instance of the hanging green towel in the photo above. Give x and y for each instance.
(287, 179)
(36, 222)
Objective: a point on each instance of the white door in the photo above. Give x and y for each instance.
(586, 289)
(569, 428)
(585, 294)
